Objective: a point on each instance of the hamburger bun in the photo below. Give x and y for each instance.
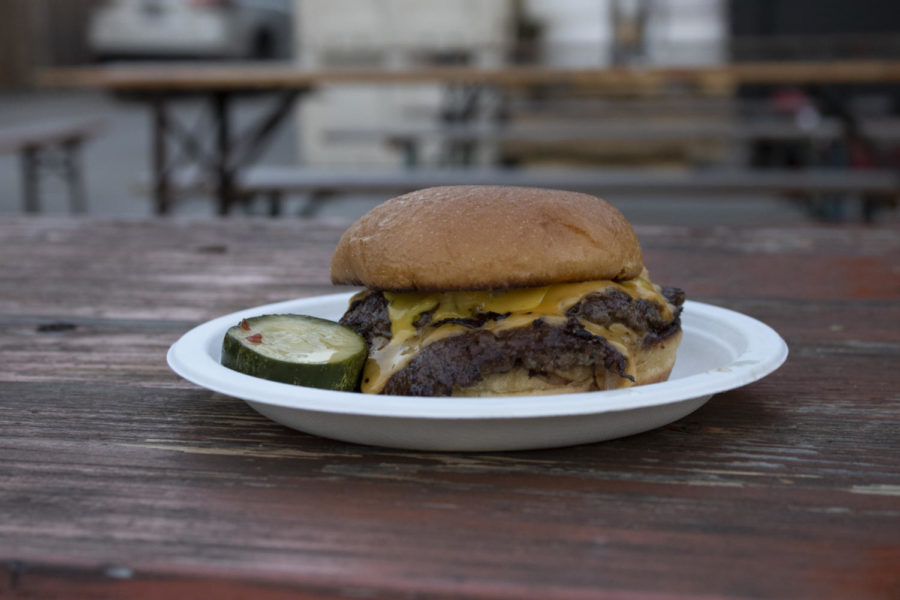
(490, 290)
(486, 237)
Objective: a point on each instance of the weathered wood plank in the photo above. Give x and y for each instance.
(193, 271)
(118, 479)
(89, 476)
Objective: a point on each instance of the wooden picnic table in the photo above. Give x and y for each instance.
(223, 151)
(191, 77)
(410, 139)
(120, 480)
(887, 129)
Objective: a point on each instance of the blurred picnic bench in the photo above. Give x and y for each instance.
(410, 139)
(50, 147)
(226, 166)
(706, 150)
(273, 185)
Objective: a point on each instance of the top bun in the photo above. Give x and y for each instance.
(486, 237)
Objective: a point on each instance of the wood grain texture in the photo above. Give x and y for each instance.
(118, 479)
(150, 78)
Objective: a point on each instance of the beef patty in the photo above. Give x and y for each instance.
(640, 315)
(541, 348)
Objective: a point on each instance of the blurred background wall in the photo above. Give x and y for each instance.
(398, 34)
(558, 32)
(388, 34)
(41, 33)
(410, 33)
(581, 33)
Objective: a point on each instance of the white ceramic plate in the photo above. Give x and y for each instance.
(721, 350)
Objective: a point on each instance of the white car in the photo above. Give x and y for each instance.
(197, 29)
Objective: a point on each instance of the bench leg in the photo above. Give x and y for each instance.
(73, 175)
(274, 198)
(410, 153)
(313, 202)
(224, 172)
(162, 195)
(31, 202)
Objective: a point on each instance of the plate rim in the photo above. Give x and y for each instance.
(766, 351)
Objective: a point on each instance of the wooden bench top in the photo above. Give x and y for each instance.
(243, 77)
(299, 180)
(57, 131)
(619, 129)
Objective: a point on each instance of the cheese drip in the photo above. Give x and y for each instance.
(522, 306)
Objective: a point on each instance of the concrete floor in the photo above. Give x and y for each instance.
(116, 163)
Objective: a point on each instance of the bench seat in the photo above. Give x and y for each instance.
(318, 184)
(50, 146)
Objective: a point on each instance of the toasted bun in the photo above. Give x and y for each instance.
(485, 237)
(652, 364)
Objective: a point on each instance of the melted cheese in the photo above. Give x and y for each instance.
(523, 306)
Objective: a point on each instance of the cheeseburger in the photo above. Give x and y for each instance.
(484, 290)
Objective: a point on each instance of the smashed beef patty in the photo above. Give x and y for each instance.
(640, 315)
(465, 359)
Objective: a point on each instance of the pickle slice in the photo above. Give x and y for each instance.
(296, 349)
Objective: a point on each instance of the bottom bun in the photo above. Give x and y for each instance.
(652, 364)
